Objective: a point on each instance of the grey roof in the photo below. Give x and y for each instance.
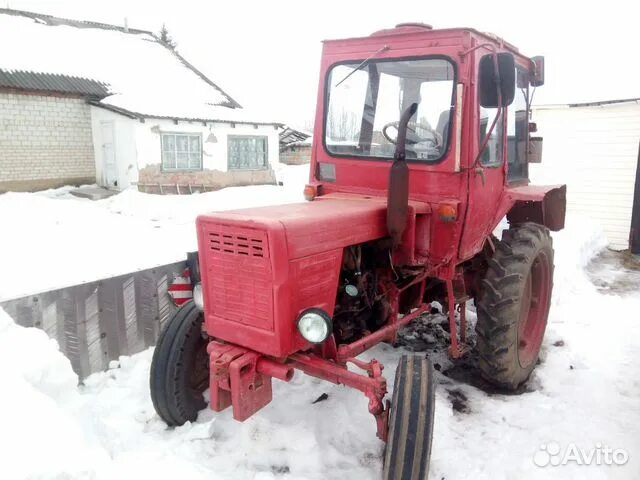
(49, 82)
(289, 136)
(604, 102)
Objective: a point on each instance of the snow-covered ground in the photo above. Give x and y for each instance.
(584, 392)
(71, 240)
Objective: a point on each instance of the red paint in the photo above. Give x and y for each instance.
(261, 267)
(535, 301)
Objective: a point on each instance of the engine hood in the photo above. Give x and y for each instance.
(261, 267)
(328, 222)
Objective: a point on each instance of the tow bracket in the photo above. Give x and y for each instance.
(242, 378)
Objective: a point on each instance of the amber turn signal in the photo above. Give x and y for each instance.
(310, 192)
(448, 213)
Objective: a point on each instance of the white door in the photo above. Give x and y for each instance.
(109, 165)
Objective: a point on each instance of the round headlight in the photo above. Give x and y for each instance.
(198, 296)
(315, 325)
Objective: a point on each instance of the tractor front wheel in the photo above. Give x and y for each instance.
(180, 367)
(410, 434)
(514, 305)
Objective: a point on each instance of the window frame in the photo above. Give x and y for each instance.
(499, 128)
(524, 162)
(241, 137)
(454, 106)
(163, 168)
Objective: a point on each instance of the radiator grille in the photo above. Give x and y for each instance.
(240, 282)
(238, 244)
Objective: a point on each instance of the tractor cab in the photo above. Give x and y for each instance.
(468, 143)
(366, 85)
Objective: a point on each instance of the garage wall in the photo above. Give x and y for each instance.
(594, 150)
(45, 141)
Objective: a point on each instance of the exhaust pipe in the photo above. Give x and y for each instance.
(398, 193)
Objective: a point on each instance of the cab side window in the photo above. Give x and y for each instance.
(493, 152)
(518, 128)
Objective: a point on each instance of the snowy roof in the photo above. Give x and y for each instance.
(291, 136)
(600, 103)
(143, 76)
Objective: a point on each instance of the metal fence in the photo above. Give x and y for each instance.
(97, 322)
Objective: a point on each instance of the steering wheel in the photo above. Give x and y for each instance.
(416, 133)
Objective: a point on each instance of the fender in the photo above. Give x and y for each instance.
(545, 205)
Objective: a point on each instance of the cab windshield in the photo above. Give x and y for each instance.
(365, 101)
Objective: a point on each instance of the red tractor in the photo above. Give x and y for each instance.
(421, 147)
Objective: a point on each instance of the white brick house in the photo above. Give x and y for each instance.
(83, 102)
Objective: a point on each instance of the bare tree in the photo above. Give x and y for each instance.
(343, 125)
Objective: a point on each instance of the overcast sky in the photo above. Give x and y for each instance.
(266, 54)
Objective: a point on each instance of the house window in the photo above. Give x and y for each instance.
(247, 153)
(181, 151)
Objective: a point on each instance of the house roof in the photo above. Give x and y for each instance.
(290, 136)
(140, 74)
(51, 82)
(599, 103)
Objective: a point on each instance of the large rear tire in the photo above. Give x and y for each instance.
(180, 367)
(514, 305)
(410, 434)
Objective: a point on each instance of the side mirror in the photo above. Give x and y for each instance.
(488, 77)
(537, 77)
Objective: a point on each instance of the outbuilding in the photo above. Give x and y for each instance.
(594, 149)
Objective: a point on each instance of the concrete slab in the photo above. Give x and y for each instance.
(93, 193)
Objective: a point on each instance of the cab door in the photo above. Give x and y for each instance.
(486, 180)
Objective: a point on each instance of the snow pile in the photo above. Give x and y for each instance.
(143, 75)
(80, 241)
(575, 246)
(42, 436)
(108, 429)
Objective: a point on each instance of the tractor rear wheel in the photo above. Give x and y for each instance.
(514, 305)
(410, 433)
(180, 367)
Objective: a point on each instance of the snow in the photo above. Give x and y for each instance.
(80, 240)
(584, 391)
(143, 76)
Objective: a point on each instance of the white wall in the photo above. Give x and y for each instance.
(594, 150)
(124, 144)
(214, 155)
(137, 144)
